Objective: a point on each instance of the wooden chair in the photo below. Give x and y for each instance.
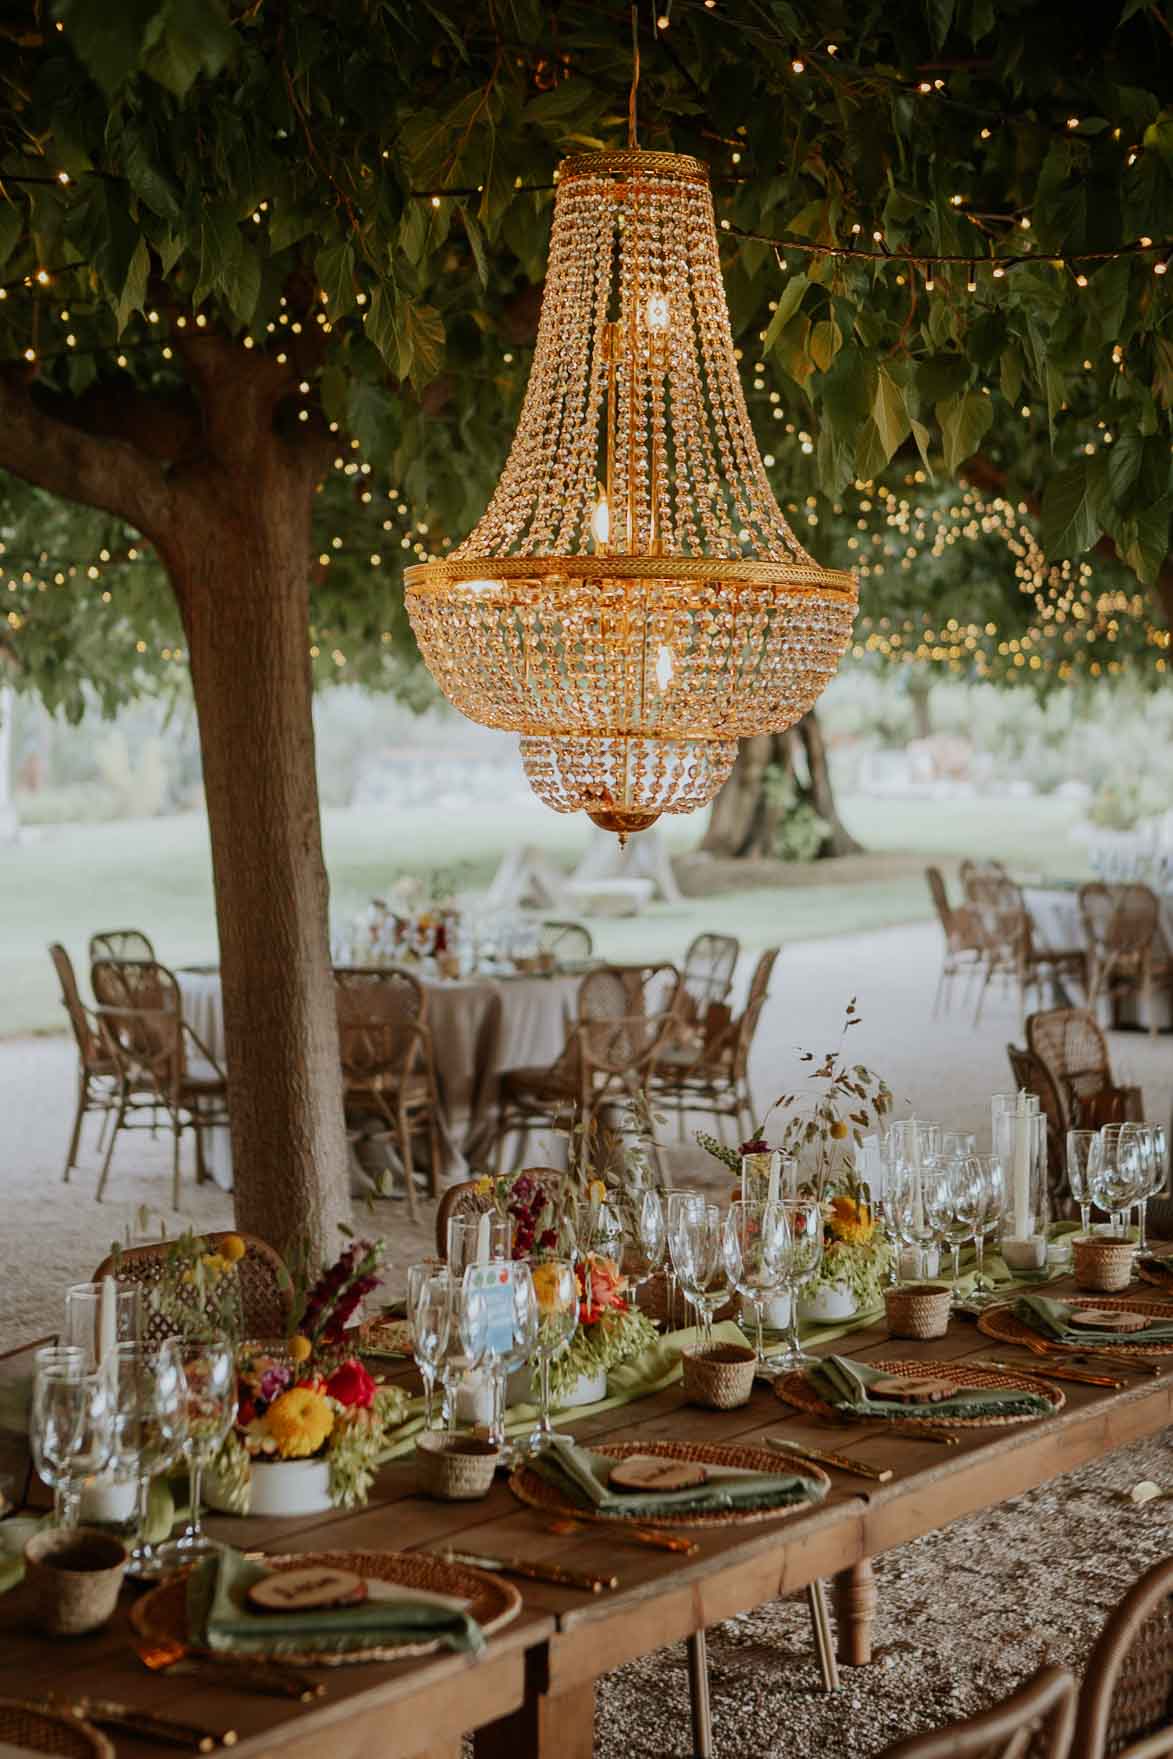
(1028, 1072)
(711, 1074)
(266, 1287)
(1035, 1722)
(568, 941)
(1125, 956)
(97, 1070)
(121, 943)
(965, 945)
(707, 977)
(1071, 1047)
(388, 1065)
(1010, 944)
(162, 1064)
(1127, 1691)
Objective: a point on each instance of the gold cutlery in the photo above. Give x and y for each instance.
(252, 1673)
(1052, 1371)
(533, 1572)
(192, 1736)
(839, 1462)
(649, 1536)
(1143, 1364)
(897, 1430)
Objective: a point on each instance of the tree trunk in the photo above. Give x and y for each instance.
(240, 567)
(743, 823)
(736, 818)
(839, 840)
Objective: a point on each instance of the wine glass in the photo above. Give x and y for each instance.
(1079, 1154)
(944, 1196)
(982, 1204)
(802, 1255)
(1117, 1176)
(208, 1373)
(920, 1197)
(465, 1235)
(506, 1353)
(695, 1240)
(464, 1355)
(429, 1314)
(1139, 1140)
(69, 1429)
(755, 1237)
(647, 1243)
(671, 1281)
(149, 1395)
(555, 1288)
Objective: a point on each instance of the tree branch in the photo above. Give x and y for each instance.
(99, 470)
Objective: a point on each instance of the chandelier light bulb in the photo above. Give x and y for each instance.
(633, 600)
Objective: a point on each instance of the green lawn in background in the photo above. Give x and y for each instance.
(155, 874)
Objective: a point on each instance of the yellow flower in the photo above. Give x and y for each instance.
(598, 1191)
(483, 1186)
(549, 1288)
(851, 1222)
(300, 1349)
(232, 1248)
(299, 1422)
(214, 1263)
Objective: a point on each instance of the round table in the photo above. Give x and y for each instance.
(1056, 923)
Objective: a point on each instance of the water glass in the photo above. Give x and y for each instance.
(429, 1314)
(647, 1244)
(756, 1236)
(1080, 1144)
(1116, 1173)
(555, 1288)
(100, 1315)
(1139, 1141)
(69, 1430)
(945, 1198)
(467, 1398)
(671, 1282)
(465, 1233)
(208, 1373)
(149, 1406)
(696, 1243)
(982, 1205)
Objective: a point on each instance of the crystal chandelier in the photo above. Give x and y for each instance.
(633, 601)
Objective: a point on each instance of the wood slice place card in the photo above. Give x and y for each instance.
(649, 1472)
(1111, 1319)
(315, 1589)
(907, 1389)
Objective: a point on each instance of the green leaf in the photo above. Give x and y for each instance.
(1124, 461)
(476, 240)
(1069, 523)
(371, 417)
(826, 339)
(788, 303)
(383, 326)
(195, 38)
(11, 228)
(107, 39)
(939, 14)
(287, 224)
(134, 291)
(921, 435)
(334, 267)
(424, 334)
(1144, 541)
(965, 422)
(1010, 375)
(149, 183)
(220, 248)
(870, 456)
(890, 413)
(242, 282)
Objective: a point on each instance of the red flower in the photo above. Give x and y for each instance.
(245, 1412)
(350, 1384)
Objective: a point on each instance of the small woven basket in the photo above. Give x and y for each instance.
(721, 1378)
(454, 1468)
(74, 1575)
(919, 1310)
(1103, 1264)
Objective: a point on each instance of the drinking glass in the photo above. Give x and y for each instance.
(149, 1400)
(95, 1327)
(463, 1357)
(429, 1314)
(945, 1197)
(647, 1244)
(671, 1281)
(756, 1235)
(208, 1373)
(1117, 1176)
(555, 1288)
(1139, 1140)
(920, 1199)
(982, 1205)
(695, 1240)
(464, 1235)
(1079, 1154)
(520, 1351)
(69, 1430)
(884, 1207)
(801, 1256)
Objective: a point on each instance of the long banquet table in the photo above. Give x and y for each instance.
(568, 1639)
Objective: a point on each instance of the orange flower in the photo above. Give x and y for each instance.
(850, 1221)
(601, 1287)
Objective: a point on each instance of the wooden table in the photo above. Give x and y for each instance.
(532, 1694)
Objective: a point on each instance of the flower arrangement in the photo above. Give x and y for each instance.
(416, 921)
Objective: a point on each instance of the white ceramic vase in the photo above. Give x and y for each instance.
(827, 1303)
(279, 1487)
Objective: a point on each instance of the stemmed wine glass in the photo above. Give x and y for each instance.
(1116, 1173)
(149, 1396)
(465, 1232)
(695, 1240)
(920, 1206)
(464, 1354)
(429, 1313)
(1139, 1140)
(69, 1427)
(208, 1372)
(555, 1288)
(504, 1355)
(647, 1244)
(801, 1258)
(672, 1282)
(1080, 1144)
(945, 1197)
(756, 1235)
(982, 1204)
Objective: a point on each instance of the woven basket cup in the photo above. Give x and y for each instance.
(721, 1378)
(920, 1310)
(75, 1574)
(455, 1469)
(1102, 1264)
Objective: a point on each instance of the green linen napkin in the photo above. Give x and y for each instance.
(582, 1475)
(1054, 1319)
(845, 1385)
(219, 1619)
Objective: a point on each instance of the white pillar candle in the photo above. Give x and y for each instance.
(1023, 1219)
(484, 1239)
(107, 1318)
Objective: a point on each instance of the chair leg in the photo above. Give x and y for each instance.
(816, 1596)
(176, 1135)
(105, 1172)
(83, 1093)
(698, 1693)
(987, 980)
(404, 1133)
(202, 1174)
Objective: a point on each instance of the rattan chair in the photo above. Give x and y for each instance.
(1126, 953)
(162, 1065)
(1127, 1691)
(711, 1074)
(467, 1199)
(707, 976)
(97, 1070)
(569, 942)
(1036, 1078)
(388, 1067)
(266, 1287)
(1011, 952)
(1035, 1722)
(626, 1015)
(964, 951)
(1071, 1047)
(121, 943)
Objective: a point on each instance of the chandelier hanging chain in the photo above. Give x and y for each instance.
(632, 135)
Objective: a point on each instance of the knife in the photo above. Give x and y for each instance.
(534, 1572)
(1052, 1371)
(191, 1735)
(840, 1462)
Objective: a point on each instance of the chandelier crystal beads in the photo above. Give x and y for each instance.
(633, 601)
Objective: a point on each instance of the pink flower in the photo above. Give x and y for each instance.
(350, 1384)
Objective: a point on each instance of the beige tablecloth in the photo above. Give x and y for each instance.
(1054, 913)
(479, 1026)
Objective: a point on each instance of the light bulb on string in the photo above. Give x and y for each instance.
(601, 521)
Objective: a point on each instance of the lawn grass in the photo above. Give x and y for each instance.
(155, 874)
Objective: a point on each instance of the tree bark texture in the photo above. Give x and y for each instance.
(744, 822)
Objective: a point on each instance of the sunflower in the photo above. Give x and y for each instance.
(299, 1422)
(851, 1222)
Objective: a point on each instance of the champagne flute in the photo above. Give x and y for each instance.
(801, 1258)
(555, 1288)
(69, 1430)
(695, 1240)
(756, 1235)
(429, 1313)
(208, 1373)
(1079, 1155)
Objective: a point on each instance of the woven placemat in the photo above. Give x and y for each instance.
(795, 1389)
(1004, 1324)
(529, 1487)
(1158, 1272)
(161, 1615)
(386, 1337)
(51, 1731)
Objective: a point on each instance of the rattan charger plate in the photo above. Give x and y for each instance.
(1004, 1324)
(31, 1728)
(161, 1615)
(795, 1389)
(528, 1487)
